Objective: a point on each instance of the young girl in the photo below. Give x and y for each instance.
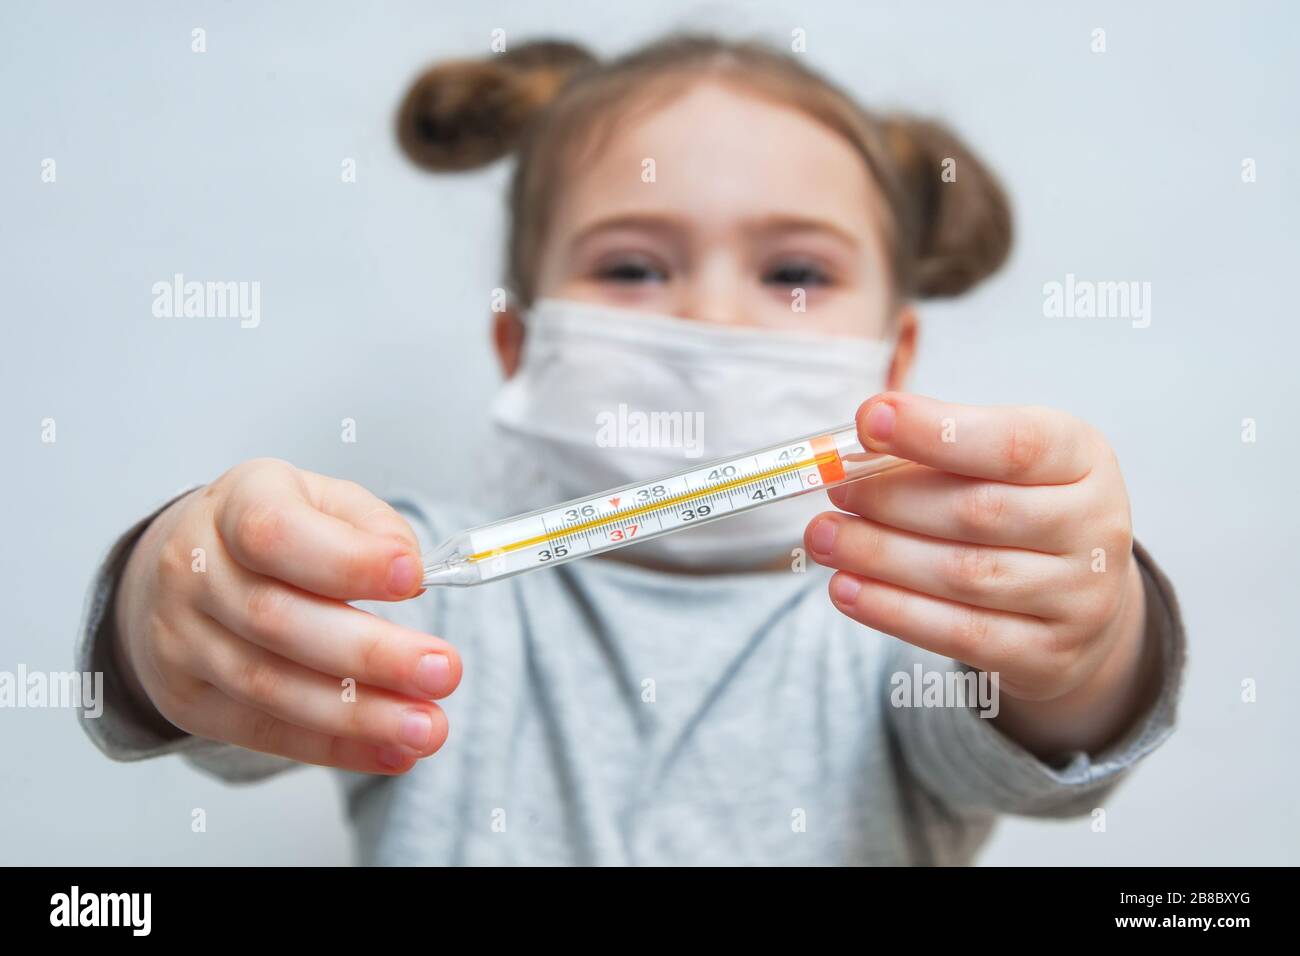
(708, 228)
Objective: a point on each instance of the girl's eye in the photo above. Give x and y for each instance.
(795, 274)
(631, 270)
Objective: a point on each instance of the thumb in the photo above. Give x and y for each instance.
(329, 537)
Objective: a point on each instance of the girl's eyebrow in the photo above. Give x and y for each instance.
(646, 221)
(779, 222)
(760, 226)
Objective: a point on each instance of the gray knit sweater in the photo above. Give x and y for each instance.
(614, 715)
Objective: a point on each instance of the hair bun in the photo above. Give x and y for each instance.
(463, 114)
(961, 224)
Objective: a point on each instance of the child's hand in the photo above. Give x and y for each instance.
(1007, 547)
(249, 641)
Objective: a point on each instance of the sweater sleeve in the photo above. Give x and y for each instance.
(127, 731)
(973, 768)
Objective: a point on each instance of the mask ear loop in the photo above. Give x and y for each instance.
(524, 318)
(893, 336)
(514, 305)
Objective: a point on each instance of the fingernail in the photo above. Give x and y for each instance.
(416, 729)
(391, 757)
(403, 575)
(880, 421)
(433, 674)
(839, 495)
(823, 536)
(844, 589)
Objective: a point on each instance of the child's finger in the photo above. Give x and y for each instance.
(1022, 445)
(329, 636)
(269, 526)
(218, 717)
(357, 506)
(1005, 579)
(314, 701)
(975, 510)
(983, 638)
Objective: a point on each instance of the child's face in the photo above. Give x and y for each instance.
(717, 207)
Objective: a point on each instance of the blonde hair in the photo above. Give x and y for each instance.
(549, 100)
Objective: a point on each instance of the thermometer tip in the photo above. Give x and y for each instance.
(439, 574)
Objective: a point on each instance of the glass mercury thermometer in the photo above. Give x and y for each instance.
(599, 523)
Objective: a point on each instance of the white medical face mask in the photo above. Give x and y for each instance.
(607, 396)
